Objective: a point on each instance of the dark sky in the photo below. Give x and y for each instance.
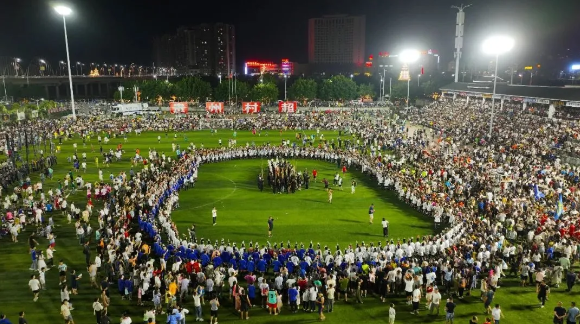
(121, 31)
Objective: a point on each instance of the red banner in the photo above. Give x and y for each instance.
(252, 107)
(287, 107)
(214, 107)
(178, 107)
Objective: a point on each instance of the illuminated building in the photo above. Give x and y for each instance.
(336, 40)
(287, 67)
(258, 68)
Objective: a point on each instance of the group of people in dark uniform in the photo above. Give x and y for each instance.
(283, 177)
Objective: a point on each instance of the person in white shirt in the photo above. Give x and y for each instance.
(34, 285)
(435, 301)
(392, 313)
(416, 298)
(65, 312)
(496, 313)
(214, 215)
(385, 224)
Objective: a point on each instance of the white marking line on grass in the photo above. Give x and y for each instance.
(224, 198)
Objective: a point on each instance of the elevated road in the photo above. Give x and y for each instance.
(85, 87)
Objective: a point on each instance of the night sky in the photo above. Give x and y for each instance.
(121, 31)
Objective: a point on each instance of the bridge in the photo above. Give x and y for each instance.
(85, 87)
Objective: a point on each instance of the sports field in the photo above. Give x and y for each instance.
(242, 214)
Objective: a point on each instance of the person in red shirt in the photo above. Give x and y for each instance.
(343, 169)
(314, 174)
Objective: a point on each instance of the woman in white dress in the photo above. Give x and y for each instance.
(41, 261)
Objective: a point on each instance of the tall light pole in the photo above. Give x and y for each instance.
(65, 11)
(285, 93)
(16, 65)
(42, 66)
(407, 57)
(495, 46)
(121, 88)
(459, 27)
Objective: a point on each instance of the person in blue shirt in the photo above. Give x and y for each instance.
(293, 297)
(121, 286)
(252, 293)
(174, 317)
(4, 320)
(128, 288)
(34, 265)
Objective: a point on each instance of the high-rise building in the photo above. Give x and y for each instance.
(225, 50)
(163, 50)
(202, 49)
(337, 39)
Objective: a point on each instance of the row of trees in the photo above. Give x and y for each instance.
(9, 113)
(269, 89)
(194, 89)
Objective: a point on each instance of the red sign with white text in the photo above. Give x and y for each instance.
(252, 107)
(287, 107)
(214, 107)
(178, 107)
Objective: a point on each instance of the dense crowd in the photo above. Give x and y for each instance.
(504, 205)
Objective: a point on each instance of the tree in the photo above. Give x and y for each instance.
(429, 87)
(338, 88)
(399, 90)
(366, 91)
(193, 89)
(242, 90)
(128, 94)
(303, 90)
(226, 91)
(264, 92)
(151, 90)
(325, 90)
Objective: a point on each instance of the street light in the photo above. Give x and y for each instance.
(496, 45)
(16, 65)
(121, 89)
(521, 78)
(41, 68)
(285, 93)
(407, 57)
(65, 11)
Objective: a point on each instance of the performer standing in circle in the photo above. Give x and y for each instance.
(214, 215)
(371, 213)
(385, 224)
(270, 226)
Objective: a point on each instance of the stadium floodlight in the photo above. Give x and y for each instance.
(65, 11)
(496, 45)
(409, 56)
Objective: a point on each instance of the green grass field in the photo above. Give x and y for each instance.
(242, 213)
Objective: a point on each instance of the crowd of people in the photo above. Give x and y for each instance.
(504, 204)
